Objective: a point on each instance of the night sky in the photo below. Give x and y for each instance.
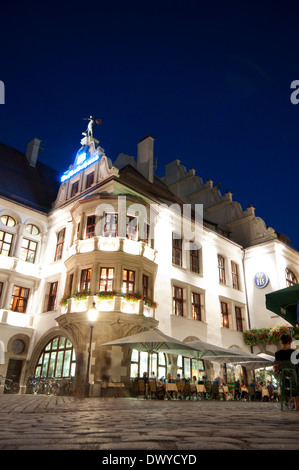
(210, 81)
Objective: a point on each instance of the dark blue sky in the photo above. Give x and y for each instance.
(209, 80)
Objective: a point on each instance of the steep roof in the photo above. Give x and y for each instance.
(35, 187)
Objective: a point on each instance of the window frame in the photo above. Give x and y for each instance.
(224, 314)
(127, 283)
(177, 252)
(16, 299)
(293, 280)
(196, 305)
(51, 350)
(52, 296)
(112, 225)
(131, 229)
(75, 188)
(29, 251)
(89, 179)
(239, 318)
(85, 279)
(192, 258)
(3, 242)
(235, 275)
(90, 226)
(221, 269)
(59, 245)
(105, 281)
(178, 301)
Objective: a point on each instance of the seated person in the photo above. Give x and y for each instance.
(244, 391)
(237, 390)
(217, 381)
(231, 387)
(169, 379)
(284, 354)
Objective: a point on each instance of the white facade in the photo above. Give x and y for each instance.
(237, 236)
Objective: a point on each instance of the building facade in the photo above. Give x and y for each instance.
(171, 253)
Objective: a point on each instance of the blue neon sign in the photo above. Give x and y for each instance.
(81, 166)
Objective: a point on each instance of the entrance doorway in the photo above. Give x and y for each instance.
(13, 373)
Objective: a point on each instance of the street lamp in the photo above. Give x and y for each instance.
(92, 315)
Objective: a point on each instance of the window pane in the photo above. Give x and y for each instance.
(66, 365)
(134, 357)
(59, 364)
(134, 370)
(143, 362)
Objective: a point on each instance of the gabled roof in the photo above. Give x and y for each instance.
(35, 187)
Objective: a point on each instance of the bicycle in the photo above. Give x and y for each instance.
(9, 385)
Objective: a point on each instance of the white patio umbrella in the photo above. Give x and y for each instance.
(238, 356)
(201, 350)
(150, 341)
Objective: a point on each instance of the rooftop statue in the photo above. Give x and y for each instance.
(90, 127)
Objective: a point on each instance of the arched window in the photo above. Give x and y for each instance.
(291, 279)
(188, 368)
(8, 221)
(32, 229)
(58, 359)
(152, 364)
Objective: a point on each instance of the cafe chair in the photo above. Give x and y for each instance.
(215, 392)
(251, 393)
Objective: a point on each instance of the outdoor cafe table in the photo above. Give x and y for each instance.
(170, 387)
(265, 393)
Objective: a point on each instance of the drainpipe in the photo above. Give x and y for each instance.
(247, 305)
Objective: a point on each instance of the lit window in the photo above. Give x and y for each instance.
(28, 250)
(221, 269)
(235, 276)
(196, 306)
(58, 359)
(8, 221)
(291, 279)
(85, 279)
(177, 251)
(32, 229)
(153, 364)
(225, 315)
(59, 245)
(178, 301)
(110, 225)
(19, 299)
(90, 226)
(188, 368)
(5, 243)
(128, 281)
(106, 279)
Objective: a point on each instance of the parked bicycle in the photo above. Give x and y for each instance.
(50, 386)
(9, 385)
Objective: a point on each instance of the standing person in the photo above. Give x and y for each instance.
(105, 372)
(284, 354)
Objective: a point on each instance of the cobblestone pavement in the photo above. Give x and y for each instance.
(52, 423)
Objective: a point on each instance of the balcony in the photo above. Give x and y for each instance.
(119, 244)
(112, 303)
(12, 318)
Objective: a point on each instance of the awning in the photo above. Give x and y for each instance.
(285, 303)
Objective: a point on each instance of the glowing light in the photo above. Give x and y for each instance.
(82, 166)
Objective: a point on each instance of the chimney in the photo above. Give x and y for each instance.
(33, 149)
(145, 157)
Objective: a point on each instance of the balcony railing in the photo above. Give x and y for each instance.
(97, 243)
(116, 303)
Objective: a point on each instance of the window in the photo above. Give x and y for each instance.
(188, 368)
(146, 233)
(177, 251)
(239, 322)
(194, 261)
(32, 229)
(71, 279)
(19, 299)
(221, 269)
(196, 307)
(1, 288)
(89, 180)
(8, 221)
(106, 279)
(52, 296)
(59, 245)
(78, 231)
(5, 243)
(178, 301)
(110, 225)
(90, 226)
(235, 276)
(28, 250)
(85, 279)
(291, 279)
(132, 228)
(128, 281)
(145, 280)
(58, 359)
(152, 364)
(75, 188)
(224, 314)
